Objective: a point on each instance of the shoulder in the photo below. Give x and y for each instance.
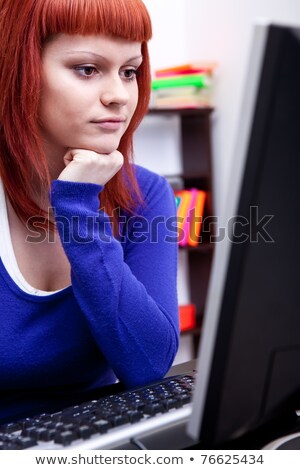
(157, 194)
(151, 183)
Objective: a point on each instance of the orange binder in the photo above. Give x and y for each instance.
(196, 217)
(182, 212)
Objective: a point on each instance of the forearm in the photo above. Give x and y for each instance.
(137, 334)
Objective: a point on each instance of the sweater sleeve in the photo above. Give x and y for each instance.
(127, 293)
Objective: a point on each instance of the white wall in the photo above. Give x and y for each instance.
(218, 30)
(169, 44)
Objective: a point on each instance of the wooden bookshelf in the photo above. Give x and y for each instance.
(197, 172)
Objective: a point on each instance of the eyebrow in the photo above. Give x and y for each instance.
(100, 57)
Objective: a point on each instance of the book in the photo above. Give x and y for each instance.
(181, 102)
(182, 211)
(182, 97)
(198, 80)
(190, 209)
(187, 227)
(189, 90)
(187, 317)
(177, 201)
(182, 72)
(196, 217)
(206, 67)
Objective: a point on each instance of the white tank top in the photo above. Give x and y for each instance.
(7, 254)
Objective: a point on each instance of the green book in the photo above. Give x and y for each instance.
(197, 80)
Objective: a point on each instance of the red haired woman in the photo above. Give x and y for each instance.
(87, 288)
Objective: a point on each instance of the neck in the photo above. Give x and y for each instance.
(55, 158)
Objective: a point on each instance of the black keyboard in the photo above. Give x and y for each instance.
(101, 416)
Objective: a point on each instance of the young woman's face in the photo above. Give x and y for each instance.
(89, 92)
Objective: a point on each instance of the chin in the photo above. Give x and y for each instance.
(104, 150)
(106, 146)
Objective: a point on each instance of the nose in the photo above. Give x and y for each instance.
(114, 91)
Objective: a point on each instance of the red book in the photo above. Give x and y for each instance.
(187, 317)
(182, 72)
(206, 67)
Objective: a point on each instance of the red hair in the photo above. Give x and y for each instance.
(25, 25)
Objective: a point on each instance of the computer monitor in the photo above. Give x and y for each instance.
(249, 355)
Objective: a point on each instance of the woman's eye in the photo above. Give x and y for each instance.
(86, 71)
(130, 74)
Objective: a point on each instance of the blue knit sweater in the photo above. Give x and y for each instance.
(118, 319)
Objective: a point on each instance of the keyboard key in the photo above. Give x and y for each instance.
(65, 438)
(29, 431)
(154, 408)
(85, 432)
(185, 398)
(25, 442)
(171, 403)
(134, 416)
(10, 427)
(118, 420)
(47, 434)
(101, 425)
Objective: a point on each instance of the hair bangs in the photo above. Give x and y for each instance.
(127, 19)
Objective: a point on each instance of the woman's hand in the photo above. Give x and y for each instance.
(86, 166)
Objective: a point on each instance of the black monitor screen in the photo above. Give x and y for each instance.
(249, 356)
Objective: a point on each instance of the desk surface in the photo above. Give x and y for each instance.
(183, 368)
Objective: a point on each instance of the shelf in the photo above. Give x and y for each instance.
(201, 248)
(186, 176)
(193, 331)
(182, 111)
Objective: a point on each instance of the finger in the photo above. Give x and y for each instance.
(68, 157)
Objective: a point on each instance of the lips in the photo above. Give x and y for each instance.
(110, 122)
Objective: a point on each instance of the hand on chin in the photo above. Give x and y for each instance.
(89, 166)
